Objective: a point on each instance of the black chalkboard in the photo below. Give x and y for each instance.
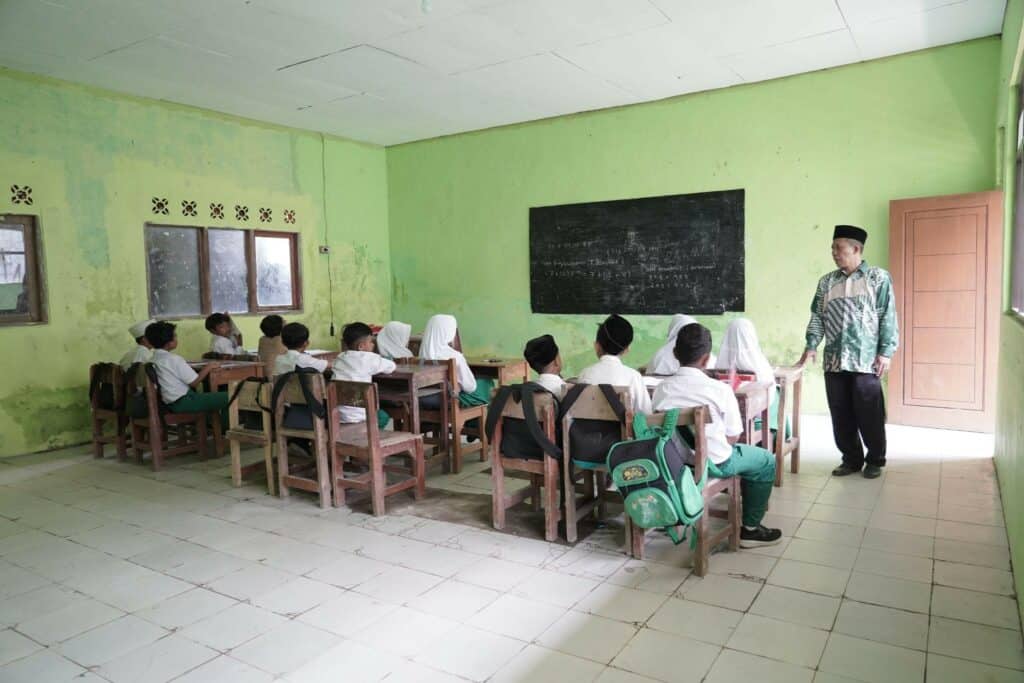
(656, 255)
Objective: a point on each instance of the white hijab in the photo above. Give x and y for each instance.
(437, 338)
(664, 361)
(741, 350)
(393, 340)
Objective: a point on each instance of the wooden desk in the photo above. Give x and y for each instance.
(404, 385)
(229, 371)
(505, 370)
(324, 354)
(754, 400)
(786, 379)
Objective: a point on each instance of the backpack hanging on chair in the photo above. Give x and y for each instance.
(523, 437)
(590, 440)
(654, 476)
(299, 416)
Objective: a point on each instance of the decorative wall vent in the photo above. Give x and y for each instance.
(265, 215)
(160, 205)
(217, 211)
(188, 208)
(241, 213)
(289, 216)
(21, 194)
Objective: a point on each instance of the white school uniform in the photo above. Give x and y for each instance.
(610, 370)
(359, 366)
(691, 387)
(140, 354)
(741, 351)
(438, 335)
(553, 383)
(174, 375)
(393, 340)
(224, 346)
(292, 359)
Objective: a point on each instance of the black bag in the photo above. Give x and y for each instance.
(299, 416)
(104, 392)
(135, 404)
(523, 438)
(590, 440)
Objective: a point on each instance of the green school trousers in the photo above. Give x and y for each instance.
(756, 469)
(382, 418)
(203, 402)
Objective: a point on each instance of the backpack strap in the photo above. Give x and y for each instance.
(530, 414)
(318, 408)
(241, 385)
(573, 394)
(497, 405)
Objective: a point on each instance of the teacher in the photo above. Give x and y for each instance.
(854, 311)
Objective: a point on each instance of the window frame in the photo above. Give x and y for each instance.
(1017, 228)
(34, 272)
(203, 261)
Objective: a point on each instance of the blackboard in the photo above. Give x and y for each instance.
(653, 255)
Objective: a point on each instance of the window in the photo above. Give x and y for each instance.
(1017, 260)
(22, 298)
(196, 271)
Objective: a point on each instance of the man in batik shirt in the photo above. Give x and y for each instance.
(854, 310)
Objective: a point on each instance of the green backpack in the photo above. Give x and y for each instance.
(654, 475)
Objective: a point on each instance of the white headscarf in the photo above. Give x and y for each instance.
(438, 336)
(393, 340)
(664, 361)
(741, 350)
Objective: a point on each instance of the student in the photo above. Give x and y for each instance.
(438, 337)
(271, 345)
(614, 336)
(178, 381)
(541, 353)
(358, 363)
(225, 338)
(741, 351)
(690, 387)
(295, 337)
(143, 351)
(393, 340)
(664, 361)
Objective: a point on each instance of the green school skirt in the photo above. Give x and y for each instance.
(481, 396)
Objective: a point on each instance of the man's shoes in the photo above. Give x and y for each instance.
(872, 471)
(762, 535)
(845, 470)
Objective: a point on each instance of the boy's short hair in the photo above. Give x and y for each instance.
(160, 334)
(692, 342)
(215, 319)
(294, 335)
(540, 352)
(353, 333)
(615, 334)
(271, 325)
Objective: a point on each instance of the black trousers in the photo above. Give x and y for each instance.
(857, 405)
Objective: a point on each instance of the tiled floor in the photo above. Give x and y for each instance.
(110, 572)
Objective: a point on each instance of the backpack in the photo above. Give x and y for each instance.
(590, 440)
(654, 474)
(524, 437)
(105, 398)
(299, 416)
(136, 405)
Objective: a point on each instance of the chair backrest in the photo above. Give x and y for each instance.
(696, 418)
(415, 341)
(453, 381)
(106, 382)
(291, 394)
(148, 386)
(544, 407)
(592, 405)
(357, 395)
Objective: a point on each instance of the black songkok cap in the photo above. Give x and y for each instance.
(615, 334)
(540, 351)
(850, 232)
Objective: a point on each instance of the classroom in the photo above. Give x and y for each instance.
(512, 340)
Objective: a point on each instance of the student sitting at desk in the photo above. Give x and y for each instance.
(271, 345)
(225, 338)
(691, 387)
(542, 355)
(393, 340)
(742, 352)
(614, 336)
(358, 363)
(295, 337)
(178, 381)
(664, 361)
(438, 340)
(143, 351)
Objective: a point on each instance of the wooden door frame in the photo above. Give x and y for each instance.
(992, 202)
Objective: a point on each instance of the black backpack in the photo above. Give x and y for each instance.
(590, 440)
(299, 416)
(523, 437)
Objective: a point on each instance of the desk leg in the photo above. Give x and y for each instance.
(794, 462)
(414, 409)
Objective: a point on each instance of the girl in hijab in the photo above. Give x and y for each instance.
(393, 340)
(664, 361)
(438, 337)
(741, 351)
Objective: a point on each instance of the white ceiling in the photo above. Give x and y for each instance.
(392, 71)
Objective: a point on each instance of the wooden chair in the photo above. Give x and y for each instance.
(543, 473)
(365, 444)
(155, 428)
(106, 399)
(400, 409)
(706, 541)
(251, 396)
(313, 475)
(591, 405)
(786, 379)
(458, 416)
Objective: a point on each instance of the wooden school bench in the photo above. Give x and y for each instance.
(504, 370)
(410, 381)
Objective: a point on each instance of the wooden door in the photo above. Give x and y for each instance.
(945, 256)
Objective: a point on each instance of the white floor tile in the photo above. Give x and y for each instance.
(555, 588)
(645, 654)
(812, 578)
(907, 524)
(742, 565)
(614, 675)
(62, 624)
(223, 669)
(44, 665)
(471, 653)
(980, 608)
(534, 661)
(621, 604)
(591, 564)
(971, 577)
(398, 585)
(296, 596)
(37, 603)
(109, 641)
(943, 669)
(740, 667)
(821, 552)
(889, 592)
(783, 640)
(405, 632)
(348, 571)
(587, 636)
(414, 672)
(454, 600)
(987, 644)
(839, 515)
(360, 664)
(499, 575)
(980, 554)
(286, 647)
(653, 577)
(248, 583)
(696, 620)
(798, 607)
(14, 646)
(907, 567)
(723, 591)
(163, 660)
(883, 624)
(872, 662)
(516, 617)
(897, 542)
(186, 608)
(232, 627)
(347, 614)
(971, 533)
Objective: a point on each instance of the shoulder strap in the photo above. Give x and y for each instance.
(613, 401)
(530, 414)
(494, 410)
(241, 385)
(316, 407)
(570, 398)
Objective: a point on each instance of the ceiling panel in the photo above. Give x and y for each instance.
(365, 69)
(799, 56)
(859, 12)
(939, 26)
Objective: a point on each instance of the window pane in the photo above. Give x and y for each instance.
(273, 271)
(172, 256)
(13, 285)
(229, 284)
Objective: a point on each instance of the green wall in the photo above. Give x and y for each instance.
(94, 161)
(811, 150)
(1009, 444)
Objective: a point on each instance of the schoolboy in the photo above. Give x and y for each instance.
(224, 338)
(541, 353)
(614, 336)
(691, 387)
(271, 346)
(295, 337)
(178, 381)
(143, 351)
(359, 363)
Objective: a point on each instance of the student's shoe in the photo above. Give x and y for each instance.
(844, 470)
(762, 535)
(872, 471)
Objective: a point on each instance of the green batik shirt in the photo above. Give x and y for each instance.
(856, 315)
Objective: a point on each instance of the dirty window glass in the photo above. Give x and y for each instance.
(229, 273)
(172, 259)
(274, 276)
(22, 297)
